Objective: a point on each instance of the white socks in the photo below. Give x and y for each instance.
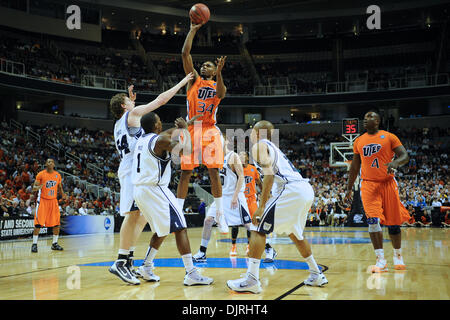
(204, 243)
(150, 255)
(35, 239)
(397, 252)
(253, 267)
(313, 267)
(124, 252)
(379, 253)
(55, 239)
(188, 263)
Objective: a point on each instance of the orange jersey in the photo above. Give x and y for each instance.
(376, 151)
(251, 175)
(49, 182)
(202, 100)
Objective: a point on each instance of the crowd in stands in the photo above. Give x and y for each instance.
(423, 183)
(56, 61)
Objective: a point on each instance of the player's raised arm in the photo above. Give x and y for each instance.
(237, 167)
(135, 115)
(188, 64)
(220, 89)
(170, 138)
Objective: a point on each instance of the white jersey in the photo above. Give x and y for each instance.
(149, 169)
(228, 177)
(284, 170)
(125, 139)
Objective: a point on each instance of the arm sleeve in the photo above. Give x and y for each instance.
(395, 141)
(355, 146)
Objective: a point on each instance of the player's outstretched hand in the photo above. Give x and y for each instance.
(186, 79)
(131, 94)
(220, 63)
(195, 27)
(180, 123)
(234, 203)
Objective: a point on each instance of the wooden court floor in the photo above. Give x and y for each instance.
(80, 272)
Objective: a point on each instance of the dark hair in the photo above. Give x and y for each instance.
(148, 122)
(115, 104)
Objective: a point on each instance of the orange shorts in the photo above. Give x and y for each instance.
(381, 200)
(207, 148)
(252, 205)
(47, 213)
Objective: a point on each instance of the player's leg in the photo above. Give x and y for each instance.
(208, 223)
(139, 227)
(192, 276)
(396, 214)
(372, 200)
(251, 281)
(55, 245)
(183, 186)
(216, 190)
(40, 218)
(54, 221)
(121, 267)
(146, 271)
(234, 235)
(37, 229)
(316, 278)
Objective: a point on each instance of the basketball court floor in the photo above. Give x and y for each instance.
(80, 272)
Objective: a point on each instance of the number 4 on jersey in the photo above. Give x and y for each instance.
(375, 163)
(122, 145)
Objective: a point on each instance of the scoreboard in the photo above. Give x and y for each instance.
(350, 126)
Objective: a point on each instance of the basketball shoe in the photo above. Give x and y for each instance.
(119, 268)
(199, 257)
(247, 283)
(380, 266)
(270, 255)
(193, 278)
(146, 272)
(233, 250)
(316, 280)
(56, 246)
(398, 262)
(34, 247)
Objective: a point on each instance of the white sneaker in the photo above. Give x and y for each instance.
(120, 269)
(193, 278)
(246, 284)
(380, 266)
(398, 263)
(146, 272)
(222, 224)
(270, 255)
(199, 257)
(316, 280)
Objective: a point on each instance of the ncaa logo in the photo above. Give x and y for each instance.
(107, 223)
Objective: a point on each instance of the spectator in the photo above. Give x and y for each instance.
(83, 211)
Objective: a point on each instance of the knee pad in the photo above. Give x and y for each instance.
(394, 230)
(374, 225)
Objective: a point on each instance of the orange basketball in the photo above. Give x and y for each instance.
(199, 13)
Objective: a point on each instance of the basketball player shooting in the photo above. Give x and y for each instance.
(203, 98)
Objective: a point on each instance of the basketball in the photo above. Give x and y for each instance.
(199, 13)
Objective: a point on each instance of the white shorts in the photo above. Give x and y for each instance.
(127, 203)
(287, 211)
(161, 209)
(340, 215)
(234, 217)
